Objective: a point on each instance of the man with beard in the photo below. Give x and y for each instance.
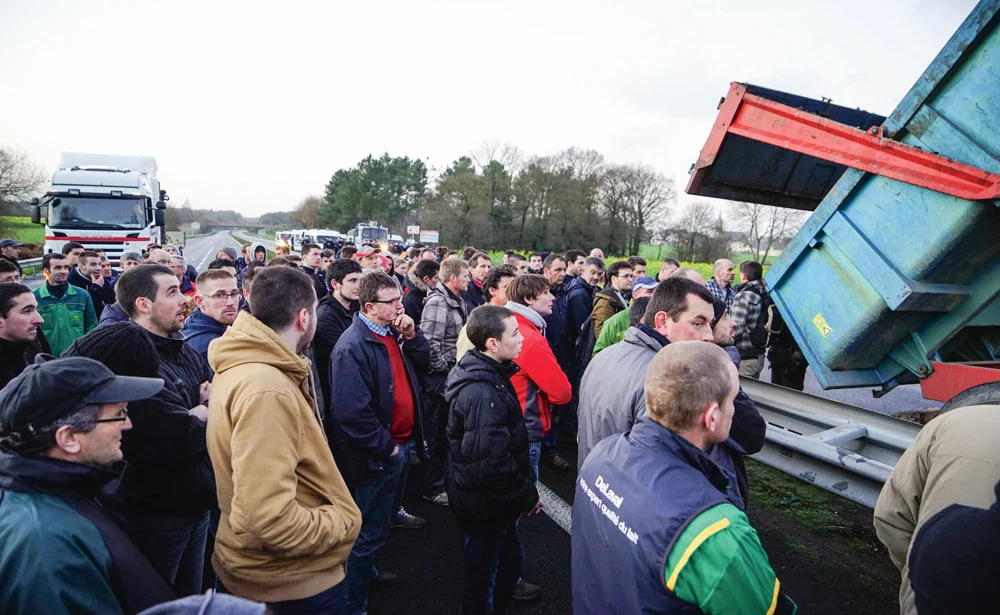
(19, 326)
(58, 453)
(218, 301)
(151, 296)
(68, 311)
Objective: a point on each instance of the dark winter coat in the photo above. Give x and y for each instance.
(579, 305)
(101, 295)
(15, 356)
(490, 481)
(556, 325)
(200, 330)
(182, 368)
(112, 313)
(413, 300)
(60, 551)
(474, 295)
(319, 281)
(332, 319)
(361, 399)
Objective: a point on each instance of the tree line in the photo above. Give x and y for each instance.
(497, 198)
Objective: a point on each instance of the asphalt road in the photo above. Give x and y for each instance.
(201, 251)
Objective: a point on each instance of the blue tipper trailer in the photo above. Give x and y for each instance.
(895, 278)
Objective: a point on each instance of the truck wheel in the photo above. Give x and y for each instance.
(981, 395)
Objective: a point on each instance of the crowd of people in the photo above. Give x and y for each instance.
(250, 429)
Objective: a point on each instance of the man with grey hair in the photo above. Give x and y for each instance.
(61, 426)
(721, 282)
(698, 551)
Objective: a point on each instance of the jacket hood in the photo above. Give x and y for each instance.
(249, 340)
(414, 282)
(477, 367)
(57, 477)
(639, 337)
(200, 323)
(449, 298)
(253, 250)
(529, 314)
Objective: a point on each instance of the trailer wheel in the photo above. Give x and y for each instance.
(981, 395)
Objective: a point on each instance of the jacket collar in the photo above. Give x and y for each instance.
(43, 291)
(657, 437)
(168, 346)
(56, 477)
(449, 296)
(331, 301)
(200, 321)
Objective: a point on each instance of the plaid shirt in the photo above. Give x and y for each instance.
(746, 313)
(726, 294)
(377, 329)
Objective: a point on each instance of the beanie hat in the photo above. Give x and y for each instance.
(124, 347)
(230, 252)
(720, 310)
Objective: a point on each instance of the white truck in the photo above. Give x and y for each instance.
(102, 201)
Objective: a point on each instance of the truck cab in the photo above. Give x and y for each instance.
(106, 202)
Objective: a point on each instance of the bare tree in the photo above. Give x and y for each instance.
(19, 176)
(306, 212)
(765, 226)
(492, 150)
(647, 197)
(693, 228)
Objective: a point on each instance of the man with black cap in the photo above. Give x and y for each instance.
(10, 250)
(61, 426)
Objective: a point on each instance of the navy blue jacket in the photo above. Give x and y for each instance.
(200, 330)
(556, 326)
(361, 399)
(579, 305)
(664, 481)
(112, 313)
(319, 281)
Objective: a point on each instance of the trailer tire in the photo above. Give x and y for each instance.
(981, 395)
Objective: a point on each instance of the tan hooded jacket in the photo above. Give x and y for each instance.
(288, 520)
(954, 460)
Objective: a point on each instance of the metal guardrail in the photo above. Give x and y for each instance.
(30, 262)
(846, 450)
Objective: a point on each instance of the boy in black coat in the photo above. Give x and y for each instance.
(490, 482)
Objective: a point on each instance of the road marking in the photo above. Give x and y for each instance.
(558, 510)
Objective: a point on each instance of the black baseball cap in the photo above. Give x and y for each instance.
(10, 243)
(46, 392)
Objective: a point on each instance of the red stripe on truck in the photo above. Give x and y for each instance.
(98, 239)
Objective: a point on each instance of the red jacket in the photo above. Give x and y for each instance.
(540, 382)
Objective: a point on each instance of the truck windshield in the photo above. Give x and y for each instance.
(98, 213)
(374, 234)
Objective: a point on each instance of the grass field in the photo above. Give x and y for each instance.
(21, 229)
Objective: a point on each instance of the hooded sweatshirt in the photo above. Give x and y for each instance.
(199, 331)
(288, 520)
(253, 252)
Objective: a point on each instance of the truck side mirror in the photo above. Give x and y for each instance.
(160, 205)
(36, 214)
(158, 218)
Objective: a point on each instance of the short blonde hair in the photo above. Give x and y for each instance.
(683, 379)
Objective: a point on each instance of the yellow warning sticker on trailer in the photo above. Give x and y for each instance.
(820, 322)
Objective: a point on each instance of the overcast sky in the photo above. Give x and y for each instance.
(254, 105)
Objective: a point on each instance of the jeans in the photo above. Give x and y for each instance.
(375, 497)
(436, 433)
(332, 601)
(176, 547)
(534, 454)
(550, 447)
(493, 566)
(401, 482)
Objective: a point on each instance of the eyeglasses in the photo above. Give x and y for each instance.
(235, 296)
(165, 261)
(118, 419)
(393, 301)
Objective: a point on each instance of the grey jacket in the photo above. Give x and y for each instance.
(612, 393)
(442, 320)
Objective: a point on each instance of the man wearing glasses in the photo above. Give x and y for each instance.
(375, 410)
(218, 302)
(61, 426)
